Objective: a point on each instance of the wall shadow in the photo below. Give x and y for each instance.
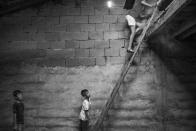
(179, 58)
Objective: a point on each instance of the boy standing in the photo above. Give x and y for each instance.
(84, 116)
(18, 111)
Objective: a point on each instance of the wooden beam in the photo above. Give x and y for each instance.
(189, 8)
(188, 33)
(185, 26)
(20, 6)
(167, 15)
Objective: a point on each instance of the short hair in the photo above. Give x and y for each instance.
(16, 92)
(83, 92)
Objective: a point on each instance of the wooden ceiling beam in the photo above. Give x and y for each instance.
(20, 6)
(189, 8)
(185, 26)
(188, 33)
(175, 7)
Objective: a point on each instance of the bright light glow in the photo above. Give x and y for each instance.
(109, 4)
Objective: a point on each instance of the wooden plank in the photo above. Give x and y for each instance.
(169, 14)
(20, 6)
(125, 69)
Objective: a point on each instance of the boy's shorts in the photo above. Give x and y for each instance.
(131, 20)
(84, 125)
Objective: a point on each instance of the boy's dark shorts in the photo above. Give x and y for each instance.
(84, 125)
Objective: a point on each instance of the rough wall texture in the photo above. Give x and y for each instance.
(52, 95)
(65, 35)
(158, 93)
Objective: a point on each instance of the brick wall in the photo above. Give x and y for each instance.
(89, 35)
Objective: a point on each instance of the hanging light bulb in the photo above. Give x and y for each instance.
(109, 4)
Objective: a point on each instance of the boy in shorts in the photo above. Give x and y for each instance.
(18, 111)
(84, 115)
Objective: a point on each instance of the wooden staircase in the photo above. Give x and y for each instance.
(154, 24)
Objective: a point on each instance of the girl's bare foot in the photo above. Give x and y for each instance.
(129, 50)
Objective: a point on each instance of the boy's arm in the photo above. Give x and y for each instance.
(158, 2)
(86, 108)
(86, 114)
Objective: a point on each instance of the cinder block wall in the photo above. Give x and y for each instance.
(65, 35)
(54, 52)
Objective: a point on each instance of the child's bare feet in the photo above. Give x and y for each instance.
(129, 50)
